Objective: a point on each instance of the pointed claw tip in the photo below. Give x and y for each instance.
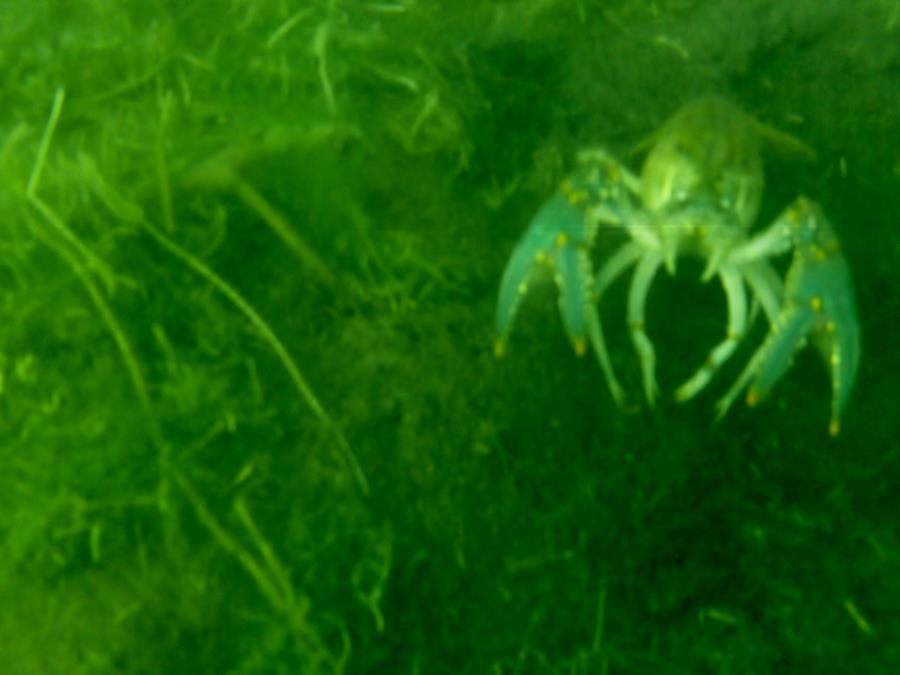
(669, 263)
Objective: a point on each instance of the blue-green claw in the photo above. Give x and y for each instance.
(553, 243)
(558, 242)
(818, 303)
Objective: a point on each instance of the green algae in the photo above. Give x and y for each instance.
(250, 419)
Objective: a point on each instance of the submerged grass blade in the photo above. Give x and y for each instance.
(70, 254)
(275, 343)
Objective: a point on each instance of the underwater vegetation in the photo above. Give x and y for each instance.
(251, 420)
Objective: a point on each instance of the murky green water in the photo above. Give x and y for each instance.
(251, 421)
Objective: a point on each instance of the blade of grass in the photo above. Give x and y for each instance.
(49, 215)
(274, 342)
(281, 352)
(107, 316)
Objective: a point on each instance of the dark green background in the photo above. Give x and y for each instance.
(194, 516)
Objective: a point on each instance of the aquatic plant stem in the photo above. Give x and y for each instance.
(277, 346)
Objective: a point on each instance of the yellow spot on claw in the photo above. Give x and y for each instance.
(752, 398)
(499, 348)
(576, 197)
(580, 347)
(562, 239)
(816, 303)
(834, 428)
